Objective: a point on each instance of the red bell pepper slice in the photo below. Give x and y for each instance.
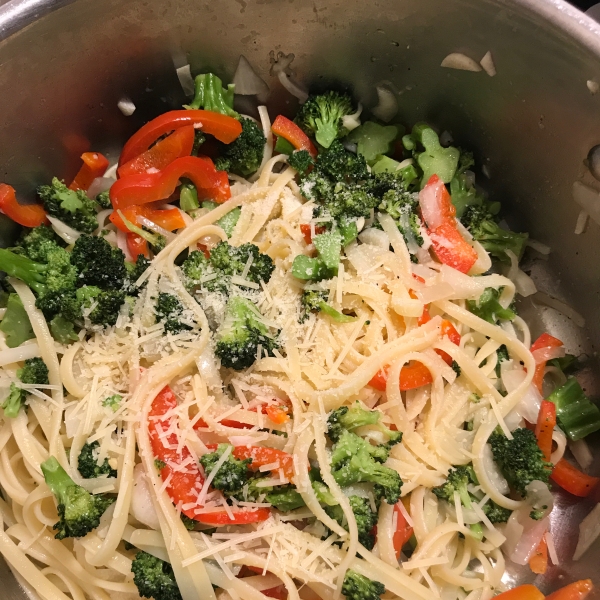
(277, 414)
(162, 154)
(572, 480)
(305, 230)
(169, 219)
(575, 591)
(150, 187)
(28, 215)
(544, 341)
(137, 245)
(94, 165)
(288, 130)
(262, 456)
(413, 375)
(545, 426)
(185, 485)
(523, 592)
(403, 531)
(224, 128)
(438, 213)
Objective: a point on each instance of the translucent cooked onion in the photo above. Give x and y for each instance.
(126, 106)
(387, 105)
(184, 74)
(99, 185)
(493, 471)
(588, 199)
(122, 244)
(487, 62)
(246, 81)
(523, 283)
(538, 246)
(529, 405)
(582, 453)
(560, 439)
(68, 234)
(375, 237)
(352, 121)
(529, 540)
(462, 62)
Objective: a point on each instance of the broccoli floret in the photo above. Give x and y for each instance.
(576, 414)
(87, 463)
(105, 305)
(491, 236)
(232, 475)
(326, 264)
(285, 498)
(354, 460)
(189, 524)
(169, 310)
(79, 512)
(350, 418)
(366, 519)
(314, 301)
(154, 577)
(434, 159)
(210, 95)
(113, 402)
(241, 333)
(496, 513)
(16, 325)
(244, 155)
(37, 242)
(103, 200)
(301, 160)
(374, 140)
(359, 587)
(520, 459)
(35, 372)
(134, 272)
(403, 207)
(464, 194)
(98, 263)
(74, 209)
(488, 308)
(321, 116)
(226, 261)
(229, 221)
(63, 330)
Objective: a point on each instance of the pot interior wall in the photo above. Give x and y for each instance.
(531, 125)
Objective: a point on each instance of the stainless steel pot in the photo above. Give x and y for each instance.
(65, 64)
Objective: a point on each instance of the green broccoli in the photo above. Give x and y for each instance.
(98, 263)
(189, 524)
(79, 512)
(359, 587)
(244, 155)
(87, 462)
(241, 334)
(154, 577)
(232, 475)
(210, 95)
(224, 262)
(374, 140)
(464, 194)
(482, 226)
(74, 209)
(321, 116)
(403, 207)
(38, 242)
(229, 221)
(301, 160)
(188, 197)
(488, 308)
(365, 517)
(520, 459)
(34, 372)
(496, 513)
(113, 402)
(350, 418)
(285, 498)
(314, 301)
(103, 200)
(354, 460)
(502, 354)
(434, 159)
(102, 307)
(576, 414)
(16, 325)
(457, 481)
(134, 272)
(326, 264)
(169, 310)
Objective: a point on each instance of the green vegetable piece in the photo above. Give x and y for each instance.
(372, 140)
(408, 141)
(232, 475)
(348, 231)
(113, 402)
(157, 241)
(229, 221)
(16, 325)
(282, 146)
(324, 496)
(385, 164)
(188, 197)
(87, 462)
(359, 587)
(285, 498)
(63, 330)
(329, 248)
(301, 160)
(79, 511)
(244, 155)
(463, 194)
(337, 316)
(35, 372)
(210, 95)
(307, 268)
(576, 414)
(435, 160)
(154, 577)
(489, 308)
(365, 517)
(169, 311)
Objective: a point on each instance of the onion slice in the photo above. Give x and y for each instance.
(387, 105)
(68, 234)
(462, 62)
(588, 199)
(126, 106)
(246, 81)
(487, 62)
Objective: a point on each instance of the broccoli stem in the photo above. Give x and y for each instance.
(57, 479)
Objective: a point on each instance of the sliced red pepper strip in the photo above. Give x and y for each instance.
(403, 531)
(224, 128)
(169, 219)
(185, 486)
(538, 563)
(575, 591)
(448, 244)
(28, 215)
(413, 375)
(545, 426)
(150, 187)
(265, 456)
(288, 130)
(544, 341)
(277, 414)
(305, 230)
(572, 480)
(523, 592)
(162, 154)
(94, 165)
(137, 245)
